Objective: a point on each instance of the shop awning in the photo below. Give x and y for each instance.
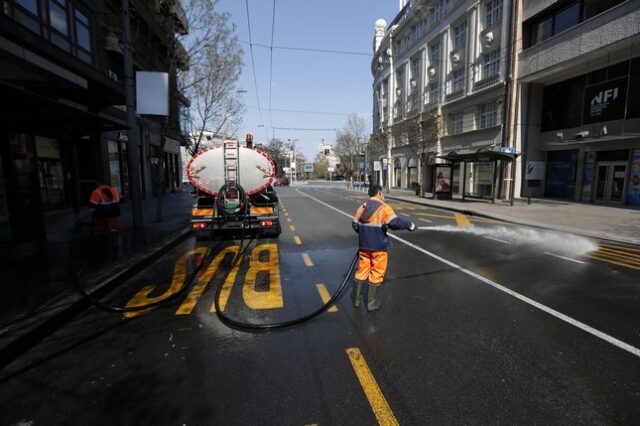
(481, 155)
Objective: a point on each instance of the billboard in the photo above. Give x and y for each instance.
(152, 93)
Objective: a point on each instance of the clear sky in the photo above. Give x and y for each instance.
(303, 80)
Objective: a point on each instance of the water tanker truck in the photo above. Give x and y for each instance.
(234, 191)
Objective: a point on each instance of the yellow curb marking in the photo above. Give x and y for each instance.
(297, 240)
(293, 228)
(325, 296)
(371, 389)
(307, 259)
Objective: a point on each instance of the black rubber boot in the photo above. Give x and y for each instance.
(357, 293)
(373, 301)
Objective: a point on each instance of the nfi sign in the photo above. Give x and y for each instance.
(605, 101)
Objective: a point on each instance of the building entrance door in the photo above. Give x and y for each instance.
(610, 180)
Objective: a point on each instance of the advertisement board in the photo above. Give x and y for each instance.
(605, 101)
(443, 181)
(633, 197)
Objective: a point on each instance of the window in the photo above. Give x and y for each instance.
(58, 16)
(460, 35)
(30, 5)
(438, 11)
(562, 104)
(457, 80)
(567, 18)
(434, 92)
(493, 12)
(455, 123)
(554, 22)
(488, 114)
(434, 54)
(400, 83)
(83, 33)
(491, 65)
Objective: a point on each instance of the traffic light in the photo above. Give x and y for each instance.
(249, 139)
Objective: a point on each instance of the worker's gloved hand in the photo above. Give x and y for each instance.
(412, 227)
(355, 226)
(385, 227)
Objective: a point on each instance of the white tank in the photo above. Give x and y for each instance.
(206, 170)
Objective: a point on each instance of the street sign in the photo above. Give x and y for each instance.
(308, 167)
(331, 169)
(508, 150)
(376, 166)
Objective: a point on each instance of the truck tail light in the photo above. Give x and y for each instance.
(266, 223)
(199, 225)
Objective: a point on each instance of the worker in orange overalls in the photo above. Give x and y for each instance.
(371, 222)
(106, 201)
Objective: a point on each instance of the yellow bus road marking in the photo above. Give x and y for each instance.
(376, 399)
(325, 296)
(439, 216)
(461, 219)
(619, 253)
(611, 261)
(491, 221)
(293, 228)
(297, 240)
(618, 258)
(307, 259)
(620, 247)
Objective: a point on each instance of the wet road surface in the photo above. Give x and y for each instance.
(482, 323)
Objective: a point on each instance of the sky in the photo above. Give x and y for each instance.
(295, 80)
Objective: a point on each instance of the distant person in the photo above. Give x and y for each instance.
(371, 222)
(105, 200)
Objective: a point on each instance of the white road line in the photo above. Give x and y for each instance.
(488, 237)
(582, 326)
(565, 258)
(405, 214)
(425, 220)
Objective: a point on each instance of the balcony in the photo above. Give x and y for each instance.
(585, 42)
(486, 82)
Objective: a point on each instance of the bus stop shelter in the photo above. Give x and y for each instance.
(482, 155)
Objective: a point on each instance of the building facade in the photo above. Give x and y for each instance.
(63, 120)
(439, 73)
(579, 110)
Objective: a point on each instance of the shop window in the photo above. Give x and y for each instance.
(561, 174)
(397, 172)
(562, 104)
(50, 174)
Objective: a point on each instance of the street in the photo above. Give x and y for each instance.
(482, 322)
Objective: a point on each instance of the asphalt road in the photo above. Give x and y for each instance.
(482, 323)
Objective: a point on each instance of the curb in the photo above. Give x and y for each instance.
(602, 236)
(24, 334)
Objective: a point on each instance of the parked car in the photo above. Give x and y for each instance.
(281, 182)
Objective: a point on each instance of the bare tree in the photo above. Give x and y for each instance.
(349, 142)
(421, 135)
(321, 167)
(277, 150)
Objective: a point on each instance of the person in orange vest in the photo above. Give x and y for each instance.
(371, 222)
(105, 200)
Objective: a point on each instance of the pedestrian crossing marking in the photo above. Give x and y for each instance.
(325, 296)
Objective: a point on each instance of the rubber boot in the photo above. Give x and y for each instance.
(373, 301)
(357, 293)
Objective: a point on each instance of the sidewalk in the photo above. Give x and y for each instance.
(36, 293)
(621, 224)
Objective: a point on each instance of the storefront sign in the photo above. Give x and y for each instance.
(123, 137)
(605, 101)
(47, 148)
(633, 198)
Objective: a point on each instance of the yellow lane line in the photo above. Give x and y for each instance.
(461, 219)
(325, 296)
(297, 240)
(307, 259)
(371, 389)
(611, 261)
(293, 228)
(289, 220)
